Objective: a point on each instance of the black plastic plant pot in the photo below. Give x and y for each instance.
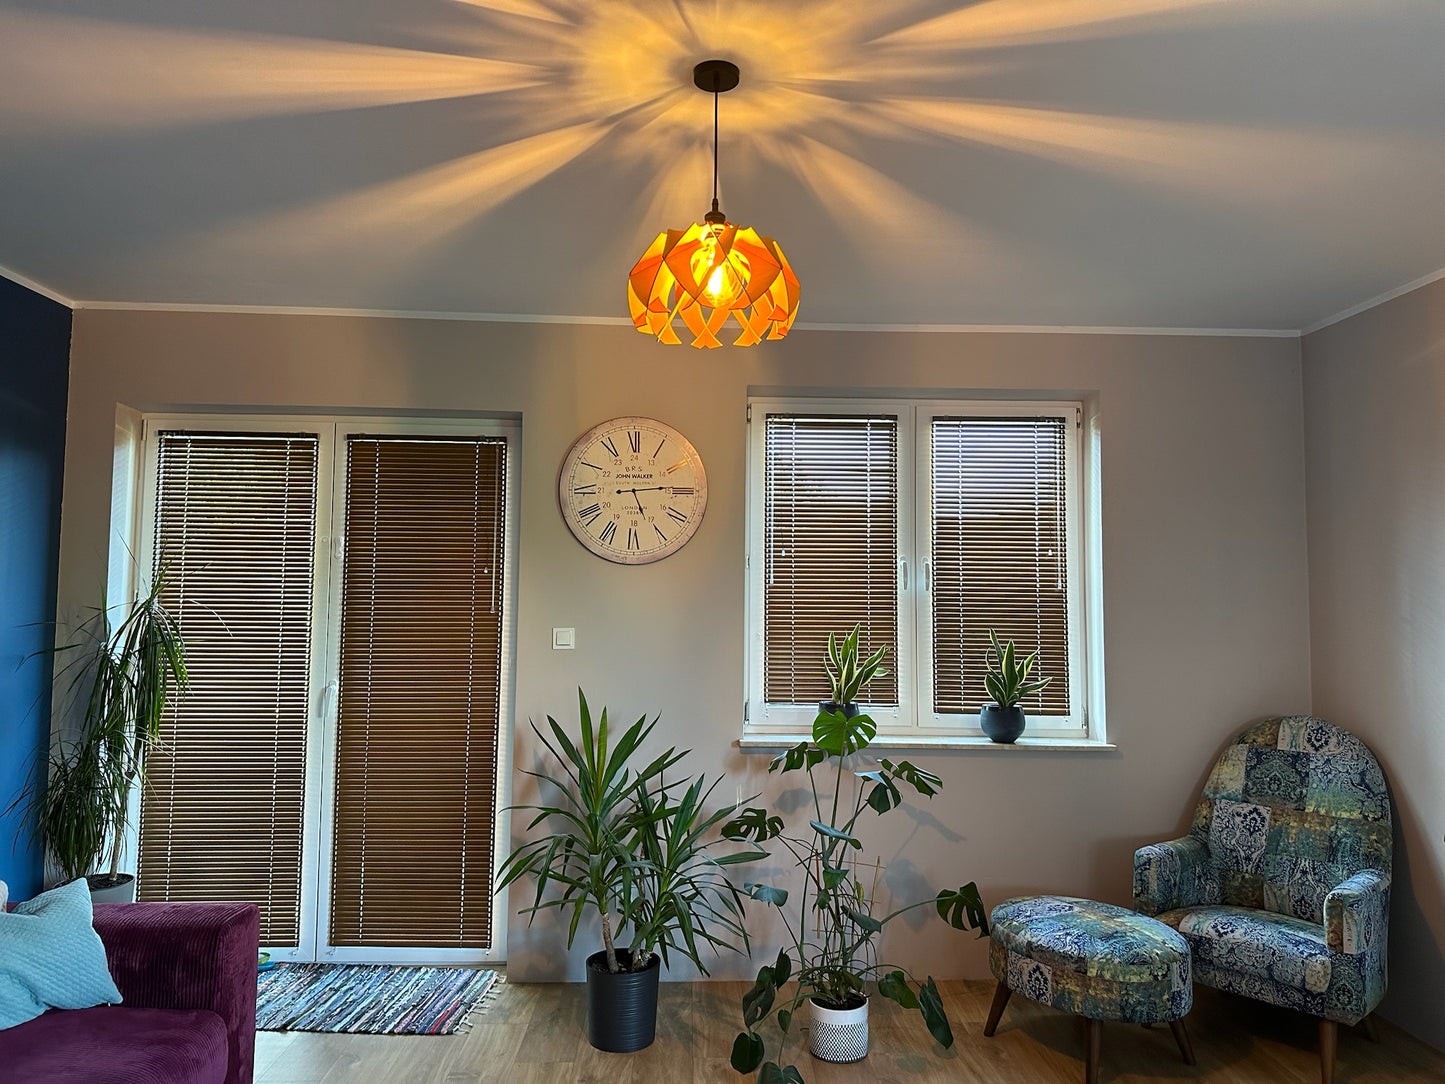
(621, 1008)
(832, 707)
(1003, 725)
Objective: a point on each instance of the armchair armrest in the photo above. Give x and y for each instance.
(1173, 874)
(189, 956)
(1357, 913)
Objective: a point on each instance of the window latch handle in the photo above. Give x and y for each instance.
(903, 572)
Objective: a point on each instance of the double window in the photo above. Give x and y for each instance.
(927, 523)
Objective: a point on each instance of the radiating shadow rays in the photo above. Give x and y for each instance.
(81, 75)
(1216, 162)
(527, 9)
(409, 215)
(991, 23)
(884, 221)
(611, 79)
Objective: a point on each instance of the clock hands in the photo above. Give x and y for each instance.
(638, 499)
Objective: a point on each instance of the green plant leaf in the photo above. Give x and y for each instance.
(931, 1005)
(754, 824)
(747, 1051)
(785, 1020)
(884, 794)
(920, 779)
(894, 986)
(773, 1073)
(801, 755)
(864, 920)
(766, 893)
(758, 1000)
(832, 878)
(963, 909)
(835, 833)
(839, 736)
(782, 968)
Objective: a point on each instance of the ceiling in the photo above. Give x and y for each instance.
(1143, 163)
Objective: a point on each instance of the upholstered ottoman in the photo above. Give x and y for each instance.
(1092, 959)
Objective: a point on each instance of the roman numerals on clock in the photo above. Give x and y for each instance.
(632, 490)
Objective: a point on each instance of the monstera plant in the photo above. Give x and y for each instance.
(831, 915)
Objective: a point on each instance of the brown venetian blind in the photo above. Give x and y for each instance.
(999, 555)
(831, 547)
(222, 808)
(419, 708)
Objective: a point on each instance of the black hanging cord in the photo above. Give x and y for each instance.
(718, 77)
(715, 143)
(714, 140)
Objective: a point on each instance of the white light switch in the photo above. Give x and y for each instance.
(564, 639)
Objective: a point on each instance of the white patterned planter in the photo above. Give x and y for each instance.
(838, 1034)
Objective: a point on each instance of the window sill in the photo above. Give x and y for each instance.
(760, 743)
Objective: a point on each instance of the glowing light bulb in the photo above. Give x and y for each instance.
(716, 285)
(722, 281)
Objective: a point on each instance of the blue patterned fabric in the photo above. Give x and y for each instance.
(51, 956)
(1091, 959)
(1282, 887)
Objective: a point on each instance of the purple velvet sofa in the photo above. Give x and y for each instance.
(187, 972)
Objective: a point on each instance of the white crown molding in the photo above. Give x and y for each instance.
(39, 287)
(387, 314)
(1059, 329)
(623, 321)
(1365, 306)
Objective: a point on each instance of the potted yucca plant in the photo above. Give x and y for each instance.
(1006, 677)
(642, 853)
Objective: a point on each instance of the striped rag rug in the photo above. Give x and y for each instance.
(369, 999)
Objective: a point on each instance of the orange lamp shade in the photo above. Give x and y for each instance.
(706, 273)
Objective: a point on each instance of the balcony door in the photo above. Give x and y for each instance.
(344, 590)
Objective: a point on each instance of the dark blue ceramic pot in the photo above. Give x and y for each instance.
(1003, 725)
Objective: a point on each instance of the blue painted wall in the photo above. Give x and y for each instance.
(34, 373)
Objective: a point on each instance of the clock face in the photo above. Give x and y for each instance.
(633, 490)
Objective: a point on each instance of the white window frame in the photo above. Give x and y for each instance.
(331, 432)
(914, 721)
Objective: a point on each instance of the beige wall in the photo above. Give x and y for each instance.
(1375, 451)
(1205, 586)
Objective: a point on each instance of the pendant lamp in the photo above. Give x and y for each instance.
(713, 269)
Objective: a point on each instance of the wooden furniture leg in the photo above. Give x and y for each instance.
(995, 1011)
(1181, 1036)
(1092, 1035)
(1329, 1035)
(1370, 1028)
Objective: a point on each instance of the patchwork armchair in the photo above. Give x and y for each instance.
(1282, 887)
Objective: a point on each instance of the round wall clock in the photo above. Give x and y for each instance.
(633, 490)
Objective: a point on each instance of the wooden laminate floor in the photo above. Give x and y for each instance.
(536, 1034)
